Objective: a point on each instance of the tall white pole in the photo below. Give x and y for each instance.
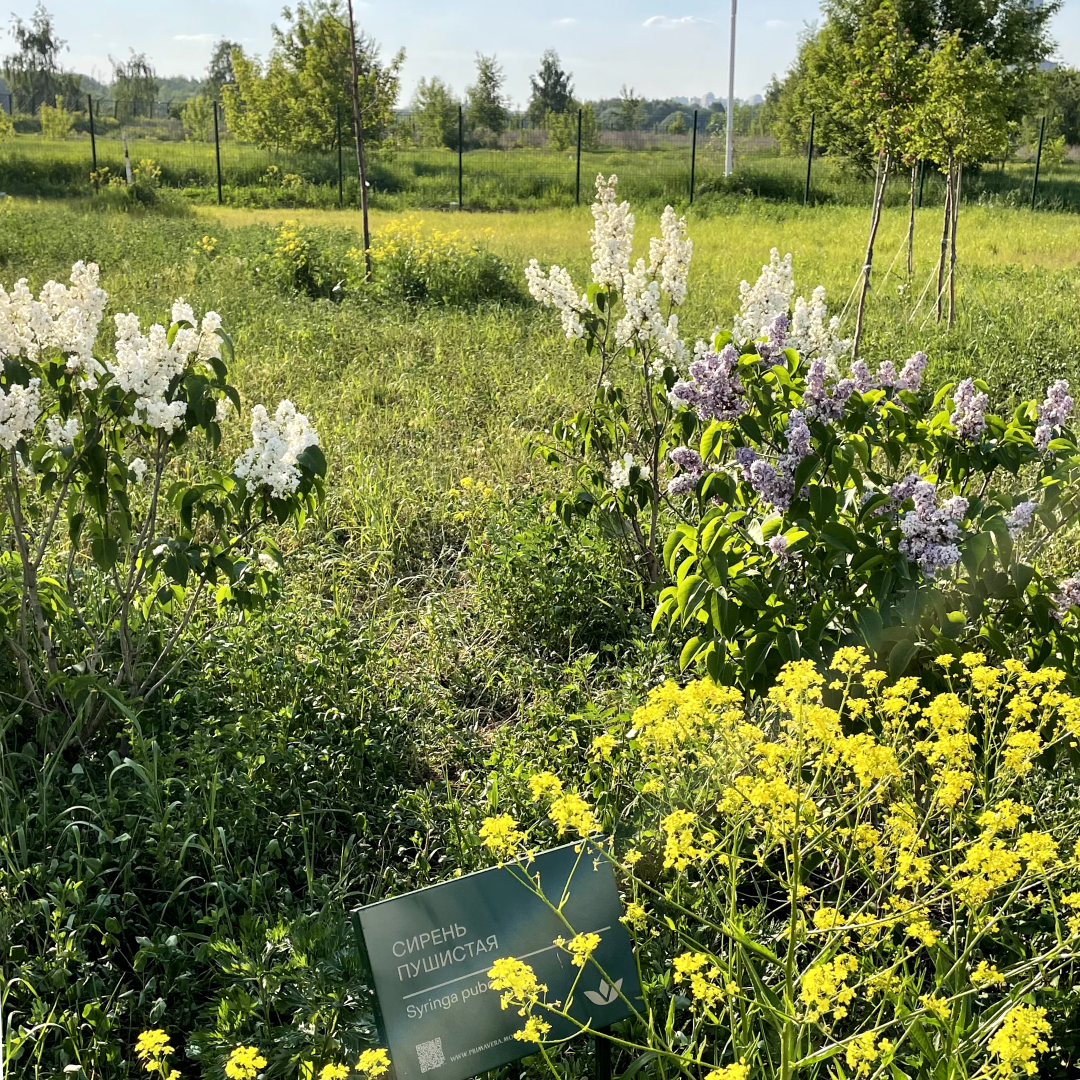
(729, 154)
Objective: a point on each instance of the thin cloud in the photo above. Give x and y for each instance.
(566, 22)
(775, 24)
(665, 22)
(193, 37)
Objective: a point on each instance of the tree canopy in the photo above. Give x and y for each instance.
(134, 86)
(33, 72)
(293, 101)
(485, 103)
(552, 90)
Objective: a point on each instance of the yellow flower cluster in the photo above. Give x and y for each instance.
(674, 720)
(567, 809)
(153, 1050)
(864, 1051)
(680, 849)
(517, 981)
(824, 988)
(334, 1072)
(736, 1071)
(244, 1063)
(1019, 1039)
(702, 974)
(535, 1030)
(374, 1063)
(580, 947)
(501, 835)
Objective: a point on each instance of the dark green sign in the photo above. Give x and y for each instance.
(430, 952)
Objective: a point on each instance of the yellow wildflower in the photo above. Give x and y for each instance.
(374, 1063)
(986, 975)
(938, 1006)
(571, 811)
(334, 1072)
(679, 848)
(545, 783)
(244, 1063)
(534, 1030)
(517, 980)
(1037, 849)
(501, 835)
(153, 1050)
(636, 916)
(1019, 1039)
(824, 989)
(1020, 748)
(863, 1051)
(580, 947)
(736, 1071)
(603, 745)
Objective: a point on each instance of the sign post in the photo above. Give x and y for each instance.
(430, 952)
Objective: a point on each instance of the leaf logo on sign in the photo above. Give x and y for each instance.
(607, 994)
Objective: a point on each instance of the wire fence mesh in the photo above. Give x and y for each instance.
(525, 166)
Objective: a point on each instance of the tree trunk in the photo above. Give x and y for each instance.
(875, 220)
(952, 243)
(911, 222)
(358, 131)
(944, 238)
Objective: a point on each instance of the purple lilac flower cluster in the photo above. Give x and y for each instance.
(1019, 518)
(771, 350)
(693, 468)
(714, 390)
(910, 378)
(969, 416)
(823, 405)
(1053, 412)
(775, 485)
(1067, 596)
(930, 532)
(778, 545)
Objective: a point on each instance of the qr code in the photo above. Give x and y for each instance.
(430, 1055)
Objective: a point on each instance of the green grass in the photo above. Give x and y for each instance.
(523, 178)
(337, 747)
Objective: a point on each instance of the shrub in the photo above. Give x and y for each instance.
(7, 127)
(56, 121)
(197, 116)
(115, 539)
(856, 879)
(794, 510)
(418, 265)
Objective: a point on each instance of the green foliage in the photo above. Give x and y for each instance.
(33, 73)
(56, 121)
(675, 124)
(485, 103)
(134, 86)
(436, 112)
(7, 128)
(551, 88)
(197, 116)
(295, 99)
(630, 114)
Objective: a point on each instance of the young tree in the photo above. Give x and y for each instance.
(197, 116)
(56, 121)
(134, 86)
(562, 128)
(485, 103)
(552, 90)
(293, 101)
(630, 109)
(219, 71)
(880, 97)
(436, 111)
(33, 71)
(962, 119)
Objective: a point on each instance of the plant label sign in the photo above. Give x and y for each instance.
(430, 952)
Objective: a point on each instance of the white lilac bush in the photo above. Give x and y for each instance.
(784, 499)
(115, 538)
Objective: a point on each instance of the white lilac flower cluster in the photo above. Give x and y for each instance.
(714, 390)
(1067, 596)
(556, 289)
(62, 434)
(775, 484)
(1054, 412)
(969, 415)
(271, 460)
(61, 318)
(612, 235)
(1019, 518)
(930, 531)
(20, 407)
(764, 314)
(619, 473)
(146, 364)
(642, 287)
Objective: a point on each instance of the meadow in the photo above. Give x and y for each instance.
(438, 627)
(519, 178)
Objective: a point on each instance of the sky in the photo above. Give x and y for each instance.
(660, 49)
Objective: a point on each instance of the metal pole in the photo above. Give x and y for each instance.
(93, 140)
(460, 150)
(577, 178)
(1038, 159)
(693, 157)
(603, 1054)
(922, 179)
(340, 165)
(729, 151)
(809, 161)
(217, 153)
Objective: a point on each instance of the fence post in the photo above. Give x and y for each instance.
(693, 157)
(93, 140)
(922, 178)
(1038, 159)
(809, 160)
(460, 151)
(603, 1054)
(340, 166)
(577, 177)
(217, 153)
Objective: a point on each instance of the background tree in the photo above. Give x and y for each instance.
(134, 86)
(552, 90)
(294, 100)
(33, 73)
(630, 109)
(962, 119)
(436, 111)
(56, 121)
(562, 128)
(197, 116)
(485, 103)
(219, 71)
